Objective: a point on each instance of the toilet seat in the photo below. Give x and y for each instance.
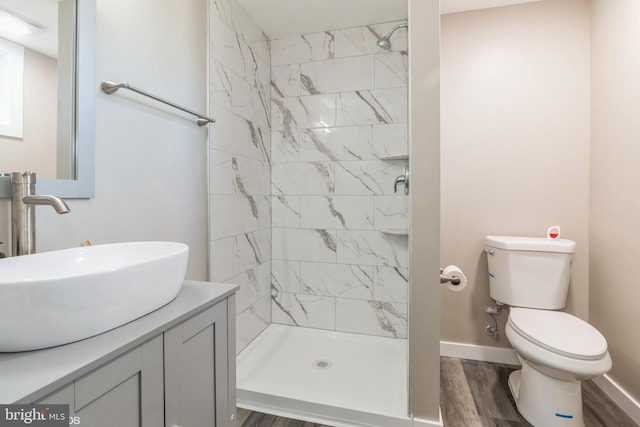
(558, 332)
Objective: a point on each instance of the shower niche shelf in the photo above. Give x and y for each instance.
(401, 156)
(396, 231)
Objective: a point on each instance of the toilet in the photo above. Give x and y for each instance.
(557, 350)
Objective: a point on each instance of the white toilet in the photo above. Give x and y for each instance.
(557, 350)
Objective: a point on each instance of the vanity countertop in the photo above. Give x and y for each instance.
(28, 376)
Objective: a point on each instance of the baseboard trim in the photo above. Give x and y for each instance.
(620, 396)
(419, 422)
(479, 352)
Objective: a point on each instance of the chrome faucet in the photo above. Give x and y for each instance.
(402, 179)
(23, 215)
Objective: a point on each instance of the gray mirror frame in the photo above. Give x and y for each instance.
(83, 186)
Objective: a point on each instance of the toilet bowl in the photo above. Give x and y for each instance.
(556, 350)
(558, 344)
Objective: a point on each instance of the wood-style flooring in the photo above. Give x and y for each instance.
(476, 394)
(257, 419)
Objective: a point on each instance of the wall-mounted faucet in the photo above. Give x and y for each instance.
(23, 215)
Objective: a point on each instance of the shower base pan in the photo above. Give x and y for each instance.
(327, 377)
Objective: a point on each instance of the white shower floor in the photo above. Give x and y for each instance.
(357, 380)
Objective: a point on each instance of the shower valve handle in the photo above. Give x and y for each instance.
(402, 179)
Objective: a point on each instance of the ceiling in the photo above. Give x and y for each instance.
(455, 6)
(42, 14)
(277, 18)
(285, 18)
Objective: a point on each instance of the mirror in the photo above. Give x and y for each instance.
(54, 135)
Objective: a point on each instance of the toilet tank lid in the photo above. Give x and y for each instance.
(539, 244)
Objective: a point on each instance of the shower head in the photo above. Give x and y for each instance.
(385, 42)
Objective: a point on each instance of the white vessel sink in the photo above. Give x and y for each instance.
(53, 298)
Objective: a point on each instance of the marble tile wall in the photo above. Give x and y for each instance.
(240, 165)
(338, 110)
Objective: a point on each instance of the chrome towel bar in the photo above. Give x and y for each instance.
(110, 88)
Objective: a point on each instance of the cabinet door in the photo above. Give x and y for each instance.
(62, 396)
(126, 392)
(198, 370)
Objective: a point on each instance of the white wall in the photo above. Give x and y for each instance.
(515, 144)
(151, 177)
(615, 203)
(424, 214)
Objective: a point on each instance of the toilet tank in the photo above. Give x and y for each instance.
(529, 272)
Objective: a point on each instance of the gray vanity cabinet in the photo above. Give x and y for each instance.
(179, 373)
(127, 391)
(198, 388)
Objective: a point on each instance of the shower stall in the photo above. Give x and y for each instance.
(311, 133)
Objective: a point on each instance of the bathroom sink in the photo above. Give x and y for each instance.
(53, 298)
